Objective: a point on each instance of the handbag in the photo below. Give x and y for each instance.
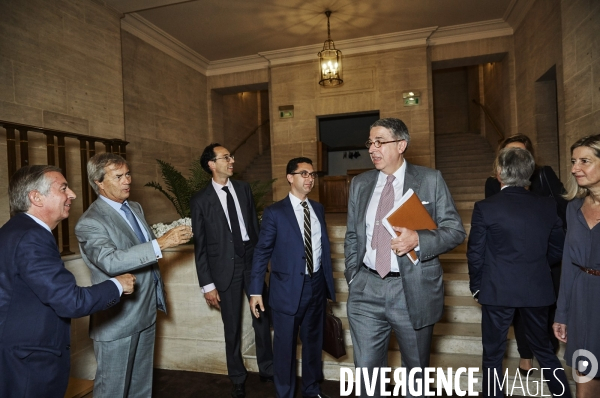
(333, 334)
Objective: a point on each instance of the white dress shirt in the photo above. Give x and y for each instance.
(223, 198)
(398, 185)
(222, 195)
(315, 229)
(43, 224)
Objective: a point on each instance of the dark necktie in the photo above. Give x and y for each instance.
(160, 297)
(381, 240)
(238, 243)
(308, 239)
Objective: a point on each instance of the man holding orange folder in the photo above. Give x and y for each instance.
(387, 291)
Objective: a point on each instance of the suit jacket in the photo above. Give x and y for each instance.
(423, 285)
(282, 242)
(514, 236)
(38, 298)
(213, 240)
(109, 247)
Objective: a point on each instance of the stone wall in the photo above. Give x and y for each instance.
(538, 49)
(473, 48)
(451, 101)
(60, 68)
(165, 118)
(494, 76)
(580, 23)
(373, 81)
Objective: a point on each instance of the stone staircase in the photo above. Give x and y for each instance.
(465, 161)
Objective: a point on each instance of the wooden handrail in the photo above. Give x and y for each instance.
(249, 136)
(487, 114)
(55, 143)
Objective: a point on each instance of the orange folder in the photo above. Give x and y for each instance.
(409, 214)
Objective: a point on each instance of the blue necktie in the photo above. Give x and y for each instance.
(160, 298)
(134, 224)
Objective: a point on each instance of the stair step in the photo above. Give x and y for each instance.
(472, 197)
(468, 189)
(465, 181)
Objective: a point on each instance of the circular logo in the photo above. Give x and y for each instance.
(583, 360)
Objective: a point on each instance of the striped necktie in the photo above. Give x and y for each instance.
(308, 252)
(381, 240)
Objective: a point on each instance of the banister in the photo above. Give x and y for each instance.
(249, 136)
(487, 114)
(55, 143)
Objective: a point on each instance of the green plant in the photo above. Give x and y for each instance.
(179, 190)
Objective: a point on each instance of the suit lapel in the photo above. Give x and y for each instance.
(243, 200)
(411, 179)
(364, 197)
(288, 210)
(114, 218)
(136, 209)
(215, 204)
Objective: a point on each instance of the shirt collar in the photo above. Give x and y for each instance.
(399, 174)
(115, 205)
(295, 200)
(218, 187)
(37, 220)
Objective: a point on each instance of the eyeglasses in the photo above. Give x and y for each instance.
(378, 143)
(228, 158)
(306, 174)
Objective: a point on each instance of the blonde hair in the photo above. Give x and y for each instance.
(572, 188)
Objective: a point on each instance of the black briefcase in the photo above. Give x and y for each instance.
(333, 335)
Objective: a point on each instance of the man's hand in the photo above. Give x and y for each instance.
(213, 299)
(256, 302)
(404, 243)
(560, 331)
(175, 237)
(127, 282)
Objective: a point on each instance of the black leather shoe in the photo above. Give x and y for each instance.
(266, 379)
(238, 391)
(321, 395)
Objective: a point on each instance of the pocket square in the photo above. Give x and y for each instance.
(425, 202)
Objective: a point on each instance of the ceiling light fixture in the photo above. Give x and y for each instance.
(330, 61)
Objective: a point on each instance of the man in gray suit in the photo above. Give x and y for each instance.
(386, 290)
(114, 238)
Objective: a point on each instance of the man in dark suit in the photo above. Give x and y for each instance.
(114, 237)
(514, 236)
(294, 237)
(225, 229)
(386, 290)
(38, 296)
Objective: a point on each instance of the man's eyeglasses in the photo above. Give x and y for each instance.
(378, 143)
(306, 174)
(228, 158)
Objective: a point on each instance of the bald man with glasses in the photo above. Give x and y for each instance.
(225, 229)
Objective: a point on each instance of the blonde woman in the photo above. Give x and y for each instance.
(577, 320)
